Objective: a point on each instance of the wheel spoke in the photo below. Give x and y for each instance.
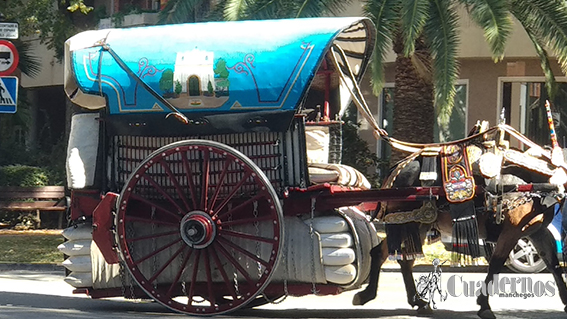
(219, 184)
(231, 194)
(205, 179)
(153, 236)
(220, 267)
(234, 262)
(530, 259)
(247, 221)
(519, 254)
(194, 278)
(137, 262)
(239, 207)
(158, 207)
(244, 251)
(149, 221)
(176, 184)
(163, 192)
(209, 278)
(189, 174)
(226, 232)
(166, 264)
(180, 272)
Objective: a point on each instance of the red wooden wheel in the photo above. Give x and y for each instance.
(200, 227)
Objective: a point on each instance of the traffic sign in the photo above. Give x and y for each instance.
(9, 57)
(8, 94)
(9, 30)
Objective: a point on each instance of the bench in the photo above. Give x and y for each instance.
(38, 199)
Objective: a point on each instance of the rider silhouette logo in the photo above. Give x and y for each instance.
(428, 285)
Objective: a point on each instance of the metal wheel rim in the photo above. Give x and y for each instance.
(224, 248)
(525, 256)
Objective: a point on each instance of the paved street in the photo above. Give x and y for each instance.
(43, 294)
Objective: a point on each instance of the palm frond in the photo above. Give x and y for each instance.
(269, 9)
(414, 14)
(547, 20)
(30, 64)
(384, 14)
(236, 9)
(315, 8)
(550, 83)
(182, 11)
(441, 35)
(494, 18)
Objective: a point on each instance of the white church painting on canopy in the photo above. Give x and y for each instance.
(196, 80)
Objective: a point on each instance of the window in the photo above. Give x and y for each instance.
(452, 128)
(524, 100)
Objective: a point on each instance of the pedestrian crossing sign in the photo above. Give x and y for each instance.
(8, 94)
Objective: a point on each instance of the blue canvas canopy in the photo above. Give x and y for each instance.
(213, 67)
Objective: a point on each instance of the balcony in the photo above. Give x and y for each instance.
(130, 20)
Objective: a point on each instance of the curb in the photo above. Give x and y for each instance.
(31, 267)
(429, 268)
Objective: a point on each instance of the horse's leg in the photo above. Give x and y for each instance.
(411, 291)
(378, 255)
(547, 249)
(506, 241)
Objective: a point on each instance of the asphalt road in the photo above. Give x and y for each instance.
(42, 294)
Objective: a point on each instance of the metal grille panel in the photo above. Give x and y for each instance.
(266, 149)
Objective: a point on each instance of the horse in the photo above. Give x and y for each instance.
(501, 212)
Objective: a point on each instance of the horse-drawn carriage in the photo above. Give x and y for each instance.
(204, 163)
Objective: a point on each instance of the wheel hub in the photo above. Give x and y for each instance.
(198, 229)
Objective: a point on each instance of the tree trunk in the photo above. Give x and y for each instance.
(414, 111)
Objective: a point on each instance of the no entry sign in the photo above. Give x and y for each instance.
(9, 58)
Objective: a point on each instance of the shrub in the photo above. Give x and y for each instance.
(23, 176)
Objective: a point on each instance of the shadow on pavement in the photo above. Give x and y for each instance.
(37, 306)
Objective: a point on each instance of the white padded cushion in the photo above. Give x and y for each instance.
(78, 263)
(321, 175)
(83, 231)
(79, 279)
(328, 224)
(317, 144)
(337, 256)
(340, 274)
(347, 176)
(76, 247)
(337, 240)
(82, 150)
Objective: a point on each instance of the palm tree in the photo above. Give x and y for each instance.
(425, 38)
(186, 11)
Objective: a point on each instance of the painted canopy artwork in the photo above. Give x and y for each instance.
(215, 66)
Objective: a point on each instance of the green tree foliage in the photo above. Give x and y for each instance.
(178, 87)
(52, 22)
(436, 23)
(166, 81)
(356, 151)
(220, 69)
(210, 88)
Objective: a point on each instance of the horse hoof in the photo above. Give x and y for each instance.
(565, 309)
(426, 310)
(359, 300)
(486, 314)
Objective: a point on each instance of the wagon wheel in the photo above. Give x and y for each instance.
(200, 227)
